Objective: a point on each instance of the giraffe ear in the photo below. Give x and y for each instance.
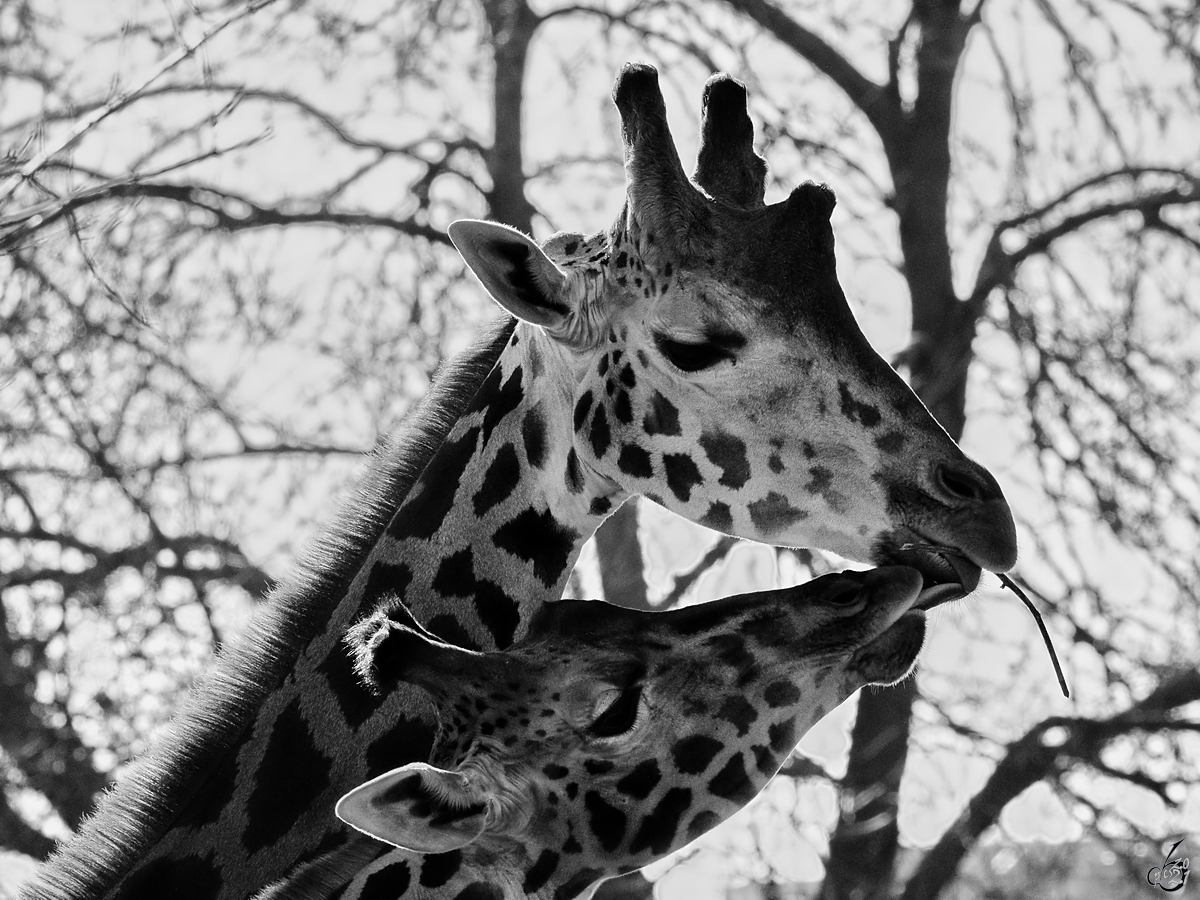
(416, 807)
(515, 271)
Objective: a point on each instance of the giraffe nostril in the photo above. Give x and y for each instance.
(963, 484)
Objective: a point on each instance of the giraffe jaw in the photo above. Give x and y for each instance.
(891, 656)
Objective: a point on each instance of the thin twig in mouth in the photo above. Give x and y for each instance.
(1012, 586)
(1037, 617)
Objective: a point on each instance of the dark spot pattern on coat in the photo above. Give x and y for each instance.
(606, 821)
(781, 693)
(704, 821)
(641, 780)
(541, 870)
(539, 539)
(782, 736)
(682, 474)
(727, 453)
(533, 436)
(622, 408)
(719, 517)
(478, 890)
(662, 417)
(601, 435)
(577, 884)
(693, 754)
(765, 761)
(388, 883)
(190, 878)
(856, 410)
(406, 740)
(424, 512)
(635, 461)
(891, 442)
(773, 513)
(293, 772)
(439, 868)
(499, 480)
(582, 408)
(574, 474)
(657, 831)
(732, 782)
(456, 575)
(738, 711)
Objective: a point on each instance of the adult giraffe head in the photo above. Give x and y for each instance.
(714, 350)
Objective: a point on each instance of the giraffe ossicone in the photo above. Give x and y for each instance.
(607, 738)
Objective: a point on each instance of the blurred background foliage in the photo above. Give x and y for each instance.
(224, 272)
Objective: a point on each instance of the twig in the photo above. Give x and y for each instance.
(684, 580)
(60, 204)
(1037, 617)
(124, 99)
(1011, 585)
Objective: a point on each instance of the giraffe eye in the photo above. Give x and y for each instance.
(620, 715)
(692, 357)
(845, 596)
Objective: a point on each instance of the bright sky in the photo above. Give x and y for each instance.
(990, 650)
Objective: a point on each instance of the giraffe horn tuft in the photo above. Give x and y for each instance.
(727, 166)
(811, 200)
(661, 199)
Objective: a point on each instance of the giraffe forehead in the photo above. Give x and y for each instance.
(719, 293)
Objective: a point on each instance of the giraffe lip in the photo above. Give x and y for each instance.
(946, 574)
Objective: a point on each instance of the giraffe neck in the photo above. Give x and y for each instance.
(241, 791)
(473, 873)
(488, 534)
(493, 527)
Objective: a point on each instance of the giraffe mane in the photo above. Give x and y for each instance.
(145, 803)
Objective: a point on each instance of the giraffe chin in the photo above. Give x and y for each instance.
(891, 656)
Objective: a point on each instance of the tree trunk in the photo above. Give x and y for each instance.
(513, 24)
(622, 568)
(862, 850)
(51, 758)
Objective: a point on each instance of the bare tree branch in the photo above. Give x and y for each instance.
(123, 99)
(877, 103)
(999, 266)
(1039, 754)
(233, 566)
(683, 581)
(229, 212)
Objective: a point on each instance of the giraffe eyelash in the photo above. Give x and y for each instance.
(621, 716)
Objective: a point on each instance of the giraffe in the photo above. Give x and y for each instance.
(608, 738)
(699, 352)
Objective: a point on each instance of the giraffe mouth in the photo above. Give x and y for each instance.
(946, 574)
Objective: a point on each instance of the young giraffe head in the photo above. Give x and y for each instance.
(606, 738)
(719, 369)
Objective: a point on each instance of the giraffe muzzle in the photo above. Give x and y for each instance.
(946, 574)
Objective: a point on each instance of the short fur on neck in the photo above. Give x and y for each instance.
(143, 806)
